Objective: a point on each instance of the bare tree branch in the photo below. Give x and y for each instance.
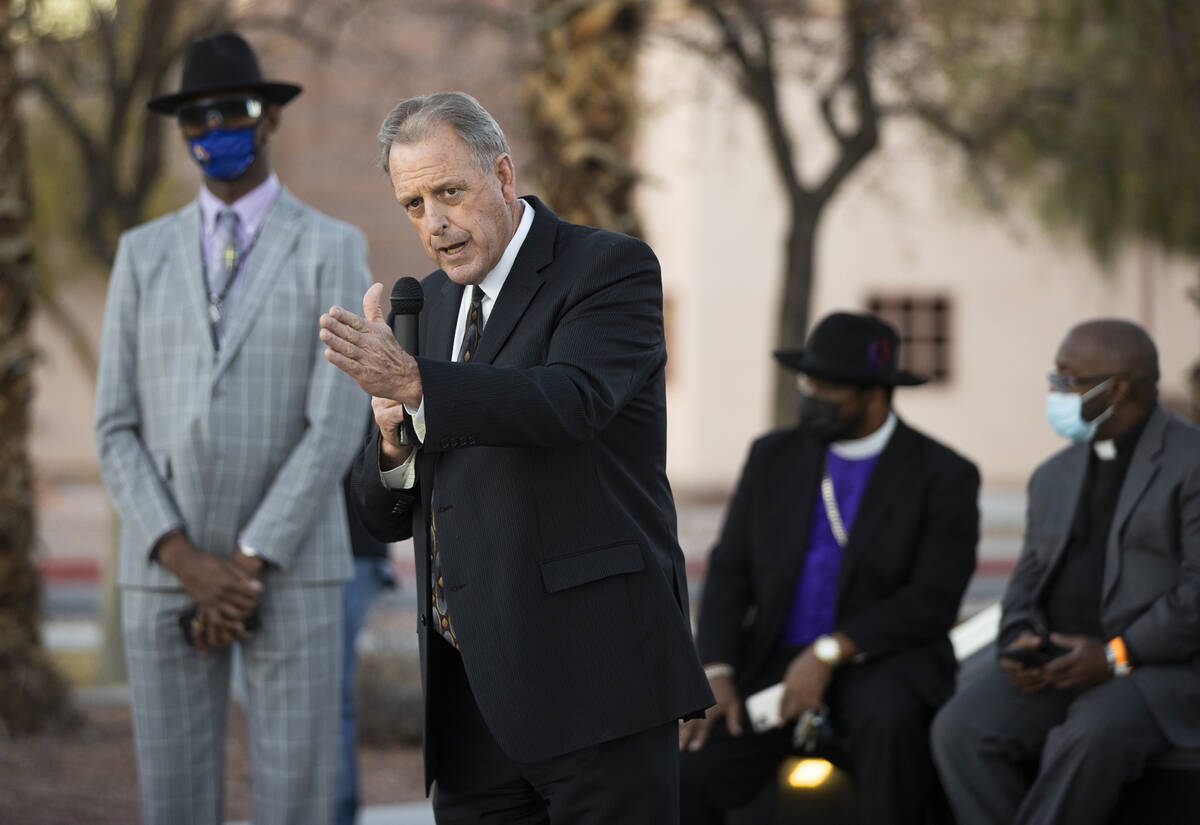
(66, 116)
(861, 18)
(756, 77)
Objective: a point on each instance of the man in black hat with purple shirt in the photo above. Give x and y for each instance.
(836, 578)
(222, 435)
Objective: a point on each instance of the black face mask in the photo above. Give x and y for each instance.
(821, 419)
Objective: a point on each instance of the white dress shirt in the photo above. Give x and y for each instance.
(404, 476)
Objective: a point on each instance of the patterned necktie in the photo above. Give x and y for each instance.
(223, 270)
(470, 343)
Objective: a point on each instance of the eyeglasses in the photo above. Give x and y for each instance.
(212, 113)
(1068, 383)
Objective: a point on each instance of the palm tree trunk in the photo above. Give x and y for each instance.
(581, 103)
(32, 693)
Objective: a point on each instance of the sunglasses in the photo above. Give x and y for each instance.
(1068, 383)
(212, 113)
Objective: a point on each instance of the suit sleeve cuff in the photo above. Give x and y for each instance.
(157, 543)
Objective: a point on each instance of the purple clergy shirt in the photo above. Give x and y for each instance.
(814, 606)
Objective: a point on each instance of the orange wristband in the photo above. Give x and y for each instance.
(1120, 656)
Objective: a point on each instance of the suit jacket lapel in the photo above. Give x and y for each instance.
(276, 238)
(877, 500)
(790, 517)
(1143, 467)
(1070, 484)
(438, 320)
(522, 283)
(189, 260)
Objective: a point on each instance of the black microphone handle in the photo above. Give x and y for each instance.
(406, 299)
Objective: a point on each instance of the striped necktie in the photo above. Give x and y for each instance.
(222, 271)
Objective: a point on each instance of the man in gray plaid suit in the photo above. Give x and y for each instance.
(223, 435)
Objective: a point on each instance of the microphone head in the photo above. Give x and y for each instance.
(407, 296)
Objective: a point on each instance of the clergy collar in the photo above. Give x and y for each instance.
(1110, 448)
(493, 282)
(868, 446)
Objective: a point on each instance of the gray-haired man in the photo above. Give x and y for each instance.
(556, 651)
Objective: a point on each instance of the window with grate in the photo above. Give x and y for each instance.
(923, 322)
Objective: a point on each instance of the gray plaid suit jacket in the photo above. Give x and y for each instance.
(251, 440)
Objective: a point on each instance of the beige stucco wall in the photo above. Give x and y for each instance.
(902, 223)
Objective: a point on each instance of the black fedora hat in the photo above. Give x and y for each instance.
(221, 63)
(852, 349)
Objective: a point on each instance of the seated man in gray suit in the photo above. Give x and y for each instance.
(1099, 643)
(222, 436)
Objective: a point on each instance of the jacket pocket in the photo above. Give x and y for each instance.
(591, 565)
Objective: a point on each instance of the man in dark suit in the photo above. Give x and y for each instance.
(556, 652)
(1109, 576)
(839, 571)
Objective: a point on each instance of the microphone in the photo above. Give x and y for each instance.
(407, 298)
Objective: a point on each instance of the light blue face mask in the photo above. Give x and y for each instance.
(224, 154)
(1064, 411)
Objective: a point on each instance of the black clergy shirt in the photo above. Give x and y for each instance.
(1071, 598)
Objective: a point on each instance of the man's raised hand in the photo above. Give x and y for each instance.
(365, 349)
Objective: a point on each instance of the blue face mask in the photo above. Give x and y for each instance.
(1064, 411)
(224, 154)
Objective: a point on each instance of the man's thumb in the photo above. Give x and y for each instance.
(371, 309)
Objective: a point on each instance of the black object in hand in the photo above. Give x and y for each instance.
(186, 618)
(1034, 656)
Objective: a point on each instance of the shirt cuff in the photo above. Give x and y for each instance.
(417, 417)
(403, 477)
(252, 551)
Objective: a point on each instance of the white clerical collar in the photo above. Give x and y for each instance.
(856, 449)
(1105, 450)
(493, 282)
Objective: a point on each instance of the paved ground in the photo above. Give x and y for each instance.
(76, 526)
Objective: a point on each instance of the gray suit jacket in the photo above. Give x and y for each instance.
(251, 440)
(1151, 586)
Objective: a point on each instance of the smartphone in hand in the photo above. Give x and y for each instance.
(1034, 656)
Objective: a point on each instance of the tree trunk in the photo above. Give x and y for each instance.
(581, 102)
(32, 693)
(799, 256)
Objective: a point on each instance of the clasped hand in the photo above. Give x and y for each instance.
(226, 592)
(1085, 666)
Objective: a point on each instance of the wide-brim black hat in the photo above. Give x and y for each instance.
(221, 63)
(851, 349)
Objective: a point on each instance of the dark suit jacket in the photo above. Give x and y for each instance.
(545, 458)
(909, 555)
(1151, 585)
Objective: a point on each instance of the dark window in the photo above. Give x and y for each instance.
(924, 326)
